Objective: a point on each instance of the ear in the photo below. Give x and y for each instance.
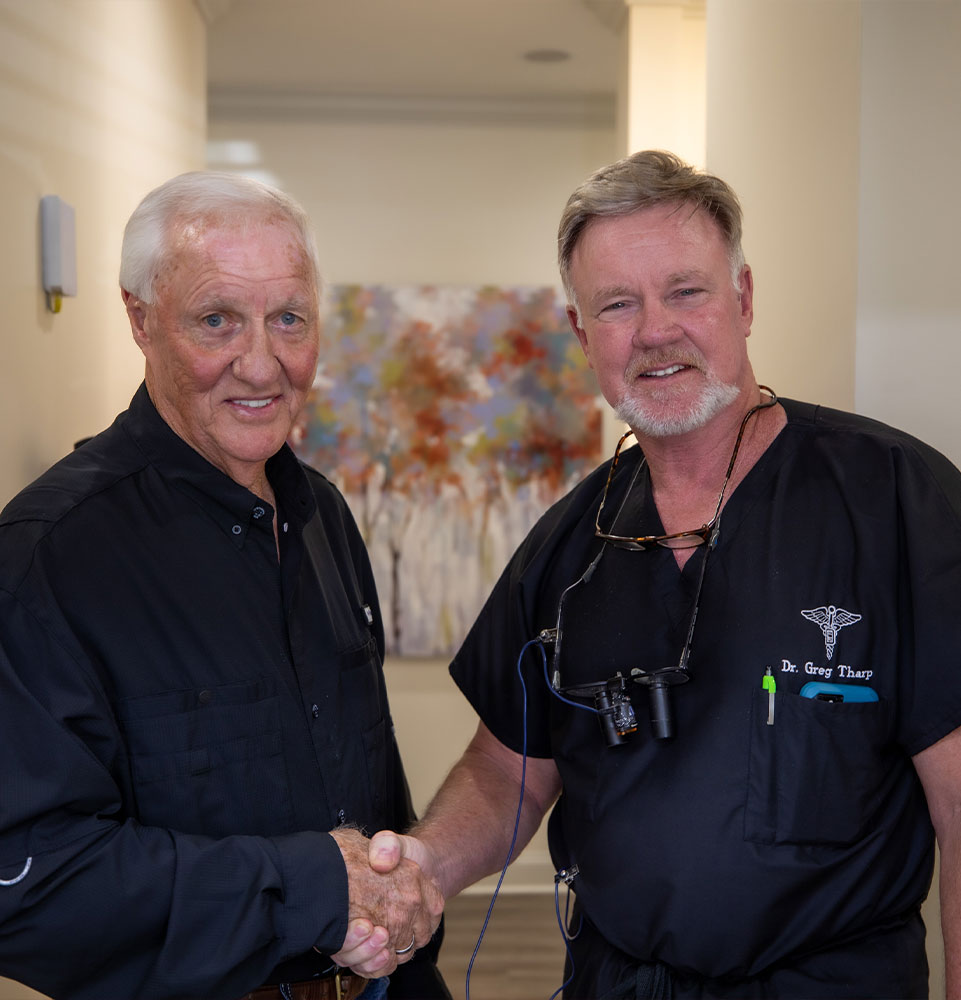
(137, 314)
(746, 284)
(579, 332)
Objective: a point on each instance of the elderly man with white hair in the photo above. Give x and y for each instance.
(195, 726)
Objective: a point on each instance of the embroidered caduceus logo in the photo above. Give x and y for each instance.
(830, 620)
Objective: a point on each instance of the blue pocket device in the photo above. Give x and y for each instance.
(838, 692)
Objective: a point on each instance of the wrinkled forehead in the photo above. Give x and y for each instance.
(675, 225)
(188, 233)
(192, 239)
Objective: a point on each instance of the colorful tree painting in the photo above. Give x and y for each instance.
(450, 417)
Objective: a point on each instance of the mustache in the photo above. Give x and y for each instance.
(656, 360)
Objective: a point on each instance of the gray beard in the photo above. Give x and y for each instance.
(643, 417)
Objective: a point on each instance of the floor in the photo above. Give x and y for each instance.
(521, 956)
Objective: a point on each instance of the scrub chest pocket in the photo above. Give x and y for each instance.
(817, 774)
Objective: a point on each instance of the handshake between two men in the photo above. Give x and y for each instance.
(397, 883)
(395, 903)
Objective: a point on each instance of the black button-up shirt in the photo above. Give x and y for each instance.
(182, 717)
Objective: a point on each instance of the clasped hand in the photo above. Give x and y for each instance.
(394, 905)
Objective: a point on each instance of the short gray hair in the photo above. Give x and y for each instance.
(150, 234)
(650, 177)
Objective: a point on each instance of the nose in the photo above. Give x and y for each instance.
(655, 325)
(256, 363)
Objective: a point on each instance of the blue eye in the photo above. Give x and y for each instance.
(288, 318)
(214, 321)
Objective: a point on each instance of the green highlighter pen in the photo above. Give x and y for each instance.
(769, 685)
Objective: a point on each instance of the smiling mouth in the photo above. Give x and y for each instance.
(253, 404)
(661, 372)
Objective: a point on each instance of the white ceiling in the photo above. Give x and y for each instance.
(410, 49)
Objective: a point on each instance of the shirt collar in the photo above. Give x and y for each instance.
(234, 508)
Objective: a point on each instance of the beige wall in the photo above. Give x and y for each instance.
(909, 310)
(422, 202)
(99, 101)
(664, 93)
(783, 86)
(838, 124)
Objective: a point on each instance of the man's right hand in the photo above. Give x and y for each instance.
(391, 908)
(387, 849)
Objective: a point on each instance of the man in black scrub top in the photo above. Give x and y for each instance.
(750, 692)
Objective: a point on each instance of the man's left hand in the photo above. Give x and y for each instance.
(366, 950)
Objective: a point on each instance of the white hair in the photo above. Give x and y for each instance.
(150, 234)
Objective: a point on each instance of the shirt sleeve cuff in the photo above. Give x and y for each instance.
(315, 897)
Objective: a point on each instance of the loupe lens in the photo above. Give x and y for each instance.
(662, 718)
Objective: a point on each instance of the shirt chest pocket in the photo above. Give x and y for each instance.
(209, 760)
(820, 773)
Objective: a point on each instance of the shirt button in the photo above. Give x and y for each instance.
(204, 697)
(285, 527)
(259, 512)
(341, 817)
(236, 529)
(315, 711)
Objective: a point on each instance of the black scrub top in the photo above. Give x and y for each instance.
(737, 844)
